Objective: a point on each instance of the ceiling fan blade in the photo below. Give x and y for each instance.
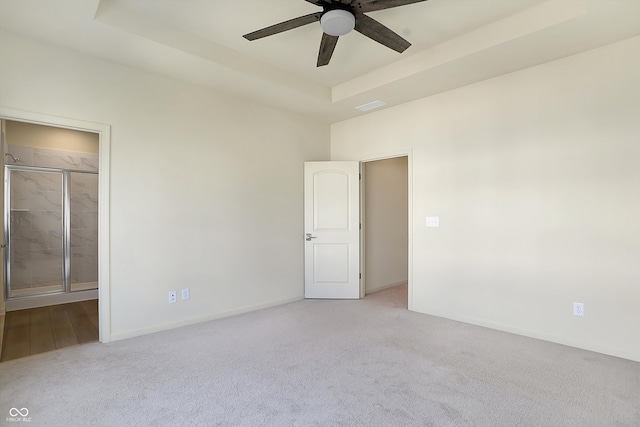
(378, 32)
(372, 5)
(318, 2)
(284, 26)
(327, 45)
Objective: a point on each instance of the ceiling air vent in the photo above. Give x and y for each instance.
(370, 105)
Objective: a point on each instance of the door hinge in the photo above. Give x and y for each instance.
(361, 275)
(359, 176)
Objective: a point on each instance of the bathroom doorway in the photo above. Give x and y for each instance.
(51, 213)
(51, 182)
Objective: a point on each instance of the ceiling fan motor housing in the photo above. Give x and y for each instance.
(337, 22)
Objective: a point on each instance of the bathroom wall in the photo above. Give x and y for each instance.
(36, 231)
(84, 231)
(41, 136)
(49, 158)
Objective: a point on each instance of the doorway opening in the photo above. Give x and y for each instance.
(55, 208)
(50, 235)
(51, 214)
(385, 225)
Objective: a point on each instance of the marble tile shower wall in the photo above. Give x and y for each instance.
(36, 230)
(36, 219)
(84, 228)
(45, 157)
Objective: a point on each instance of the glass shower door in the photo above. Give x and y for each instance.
(34, 230)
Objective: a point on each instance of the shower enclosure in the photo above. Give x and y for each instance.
(51, 226)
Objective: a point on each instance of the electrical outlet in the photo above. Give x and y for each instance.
(578, 309)
(185, 294)
(173, 297)
(433, 221)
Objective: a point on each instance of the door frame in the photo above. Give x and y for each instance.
(405, 152)
(104, 141)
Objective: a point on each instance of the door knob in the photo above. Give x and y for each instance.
(309, 237)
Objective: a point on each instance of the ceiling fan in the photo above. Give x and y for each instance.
(339, 17)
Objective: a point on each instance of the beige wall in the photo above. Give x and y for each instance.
(536, 181)
(385, 223)
(534, 176)
(39, 136)
(206, 190)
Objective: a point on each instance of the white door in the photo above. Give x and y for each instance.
(332, 229)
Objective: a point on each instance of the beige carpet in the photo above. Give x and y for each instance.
(325, 363)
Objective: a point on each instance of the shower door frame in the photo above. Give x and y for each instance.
(66, 227)
(104, 243)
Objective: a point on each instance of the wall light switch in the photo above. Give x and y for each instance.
(433, 221)
(185, 294)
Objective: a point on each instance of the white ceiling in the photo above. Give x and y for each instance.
(454, 43)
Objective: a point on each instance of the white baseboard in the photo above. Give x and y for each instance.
(383, 287)
(610, 351)
(195, 320)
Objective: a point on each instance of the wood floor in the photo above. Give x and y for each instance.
(37, 330)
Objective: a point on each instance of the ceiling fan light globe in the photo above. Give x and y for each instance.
(337, 22)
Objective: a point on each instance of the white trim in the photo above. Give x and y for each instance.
(387, 286)
(405, 152)
(529, 333)
(104, 139)
(201, 319)
(363, 227)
